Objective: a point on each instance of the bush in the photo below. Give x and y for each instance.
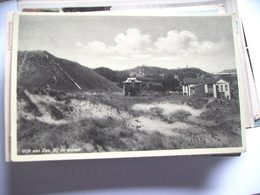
(29, 106)
(156, 111)
(180, 115)
(153, 141)
(196, 102)
(106, 133)
(219, 109)
(55, 113)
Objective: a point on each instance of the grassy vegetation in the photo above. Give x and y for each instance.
(103, 122)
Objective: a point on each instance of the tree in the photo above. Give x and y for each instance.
(170, 83)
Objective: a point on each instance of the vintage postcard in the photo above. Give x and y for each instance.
(94, 86)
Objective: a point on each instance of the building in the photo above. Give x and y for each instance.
(223, 89)
(132, 87)
(188, 83)
(210, 87)
(140, 74)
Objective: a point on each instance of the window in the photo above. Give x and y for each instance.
(226, 87)
(210, 90)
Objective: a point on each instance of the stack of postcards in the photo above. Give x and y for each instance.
(84, 85)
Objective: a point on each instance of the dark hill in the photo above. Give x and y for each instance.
(107, 73)
(189, 73)
(149, 70)
(182, 72)
(229, 71)
(41, 69)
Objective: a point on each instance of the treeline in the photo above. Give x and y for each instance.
(155, 82)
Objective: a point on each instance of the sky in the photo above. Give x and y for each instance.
(124, 42)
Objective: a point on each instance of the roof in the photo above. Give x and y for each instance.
(227, 78)
(192, 80)
(196, 86)
(132, 80)
(210, 80)
(223, 80)
(206, 80)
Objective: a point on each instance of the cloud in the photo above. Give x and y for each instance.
(93, 47)
(208, 47)
(184, 43)
(134, 45)
(175, 41)
(132, 42)
(80, 45)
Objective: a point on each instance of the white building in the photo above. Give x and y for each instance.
(217, 88)
(222, 89)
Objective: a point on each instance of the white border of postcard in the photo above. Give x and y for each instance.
(103, 155)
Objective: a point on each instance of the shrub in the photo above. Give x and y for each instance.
(219, 110)
(153, 141)
(55, 113)
(29, 106)
(180, 115)
(196, 102)
(156, 111)
(107, 133)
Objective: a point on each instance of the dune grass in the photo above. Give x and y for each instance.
(104, 122)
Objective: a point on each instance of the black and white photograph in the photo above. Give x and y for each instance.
(103, 84)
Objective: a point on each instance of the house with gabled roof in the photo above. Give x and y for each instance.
(132, 86)
(209, 87)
